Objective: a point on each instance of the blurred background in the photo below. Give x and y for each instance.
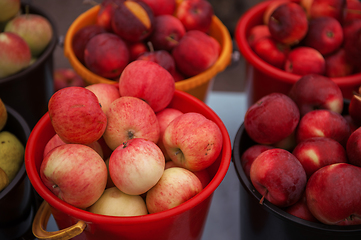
(64, 12)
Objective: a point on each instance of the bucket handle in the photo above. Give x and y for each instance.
(41, 221)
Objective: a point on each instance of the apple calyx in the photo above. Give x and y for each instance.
(131, 134)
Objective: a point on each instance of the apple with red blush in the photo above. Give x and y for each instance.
(304, 60)
(106, 55)
(315, 153)
(162, 57)
(128, 118)
(195, 53)
(105, 13)
(8, 9)
(75, 173)
(146, 167)
(164, 117)
(76, 115)
(257, 32)
(322, 8)
(323, 123)
(195, 14)
(325, 34)
(250, 155)
(161, 7)
(82, 37)
(15, 54)
(278, 176)
(335, 204)
(193, 141)
(300, 210)
(264, 126)
(132, 21)
(136, 49)
(148, 81)
(338, 65)
(272, 51)
(270, 8)
(353, 147)
(66, 77)
(106, 93)
(288, 23)
(167, 32)
(354, 108)
(176, 186)
(313, 91)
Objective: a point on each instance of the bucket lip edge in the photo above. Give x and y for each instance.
(251, 57)
(247, 185)
(96, 218)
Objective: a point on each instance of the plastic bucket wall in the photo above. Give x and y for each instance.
(28, 91)
(16, 198)
(186, 221)
(197, 86)
(268, 222)
(261, 77)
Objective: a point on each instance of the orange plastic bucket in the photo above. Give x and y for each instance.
(185, 221)
(261, 77)
(197, 86)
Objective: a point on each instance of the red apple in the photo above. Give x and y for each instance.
(250, 155)
(8, 9)
(353, 148)
(35, 29)
(76, 115)
(278, 176)
(272, 51)
(270, 8)
(133, 21)
(192, 141)
(325, 34)
(161, 7)
(15, 54)
(313, 91)
(195, 53)
(304, 60)
(75, 173)
(323, 123)
(148, 81)
(329, 8)
(114, 202)
(176, 186)
(162, 57)
(136, 166)
(337, 64)
(257, 32)
(107, 55)
(82, 37)
(288, 23)
(164, 117)
(271, 119)
(130, 117)
(315, 153)
(354, 108)
(167, 32)
(136, 49)
(66, 77)
(106, 94)
(300, 210)
(105, 13)
(195, 14)
(333, 195)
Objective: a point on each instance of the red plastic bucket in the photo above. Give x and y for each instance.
(185, 221)
(262, 78)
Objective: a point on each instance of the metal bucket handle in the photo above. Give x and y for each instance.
(41, 221)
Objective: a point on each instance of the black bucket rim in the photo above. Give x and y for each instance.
(271, 208)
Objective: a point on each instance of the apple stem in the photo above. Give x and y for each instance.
(150, 45)
(91, 2)
(262, 199)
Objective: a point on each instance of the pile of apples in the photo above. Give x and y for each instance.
(23, 37)
(310, 37)
(174, 36)
(307, 153)
(120, 150)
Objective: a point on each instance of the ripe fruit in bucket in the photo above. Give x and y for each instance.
(106, 94)
(192, 141)
(75, 173)
(8, 9)
(304, 60)
(76, 115)
(333, 194)
(136, 166)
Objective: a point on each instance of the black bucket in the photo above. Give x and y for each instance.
(267, 221)
(29, 90)
(18, 199)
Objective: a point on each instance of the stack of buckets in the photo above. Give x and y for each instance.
(266, 221)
